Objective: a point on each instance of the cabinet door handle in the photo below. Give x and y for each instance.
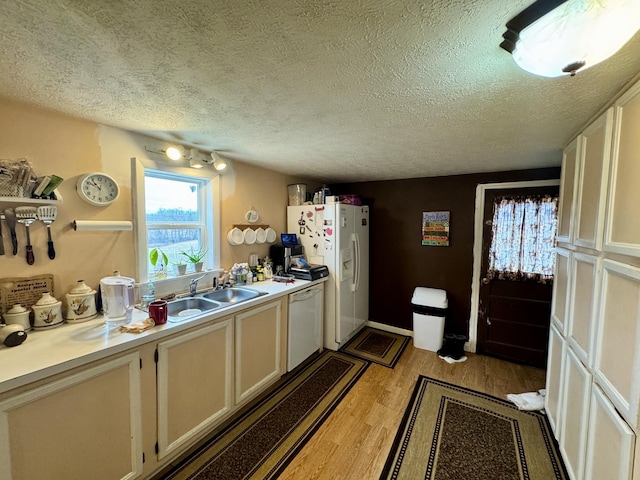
(485, 281)
(488, 321)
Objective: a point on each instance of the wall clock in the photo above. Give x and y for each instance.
(97, 189)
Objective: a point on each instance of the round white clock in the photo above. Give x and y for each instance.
(97, 189)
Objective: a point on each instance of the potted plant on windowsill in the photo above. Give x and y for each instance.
(181, 268)
(159, 260)
(195, 258)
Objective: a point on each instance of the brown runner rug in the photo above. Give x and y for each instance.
(377, 346)
(451, 433)
(261, 443)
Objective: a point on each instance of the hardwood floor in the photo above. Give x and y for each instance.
(353, 443)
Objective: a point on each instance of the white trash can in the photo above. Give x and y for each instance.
(429, 311)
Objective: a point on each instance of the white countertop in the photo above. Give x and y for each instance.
(49, 352)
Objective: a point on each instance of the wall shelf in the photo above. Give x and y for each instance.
(254, 226)
(11, 201)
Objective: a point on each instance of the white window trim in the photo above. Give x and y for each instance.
(138, 166)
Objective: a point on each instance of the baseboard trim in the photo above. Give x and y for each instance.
(389, 328)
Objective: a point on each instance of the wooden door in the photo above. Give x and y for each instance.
(513, 318)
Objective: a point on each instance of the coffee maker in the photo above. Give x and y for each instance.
(282, 255)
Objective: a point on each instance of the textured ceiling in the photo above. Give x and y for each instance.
(330, 90)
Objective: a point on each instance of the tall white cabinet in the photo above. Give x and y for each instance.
(593, 377)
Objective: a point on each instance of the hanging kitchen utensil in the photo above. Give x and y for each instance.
(10, 218)
(47, 215)
(26, 216)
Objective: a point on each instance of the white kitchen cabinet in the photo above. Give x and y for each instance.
(611, 442)
(593, 168)
(618, 344)
(258, 349)
(623, 223)
(568, 183)
(596, 299)
(83, 425)
(575, 414)
(560, 306)
(583, 301)
(553, 400)
(194, 384)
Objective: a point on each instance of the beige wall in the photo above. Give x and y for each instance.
(70, 147)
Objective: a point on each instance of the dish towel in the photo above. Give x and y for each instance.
(138, 327)
(529, 400)
(453, 360)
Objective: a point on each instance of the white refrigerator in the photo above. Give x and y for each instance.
(337, 235)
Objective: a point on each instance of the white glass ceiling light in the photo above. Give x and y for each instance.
(219, 163)
(552, 38)
(175, 153)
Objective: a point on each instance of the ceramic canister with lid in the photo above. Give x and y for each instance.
(47, 312)
(18, 315)
(81, 303)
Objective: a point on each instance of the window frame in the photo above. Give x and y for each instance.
(210, 196)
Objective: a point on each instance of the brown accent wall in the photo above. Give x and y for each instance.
(398, 261)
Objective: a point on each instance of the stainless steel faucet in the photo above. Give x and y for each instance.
(193, 285)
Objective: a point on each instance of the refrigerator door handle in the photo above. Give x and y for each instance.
(355, 239)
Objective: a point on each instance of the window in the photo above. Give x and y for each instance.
(175, 212)
(523, 243)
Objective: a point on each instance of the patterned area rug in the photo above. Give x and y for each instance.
(377, 346)
(261, 443)
(451, 433)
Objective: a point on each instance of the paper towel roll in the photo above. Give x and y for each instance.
(93, 225)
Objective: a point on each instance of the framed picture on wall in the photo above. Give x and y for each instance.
(435, 229)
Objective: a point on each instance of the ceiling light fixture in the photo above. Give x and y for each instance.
(195, 163)
(175, 152)
(219, 163)
(552, 38)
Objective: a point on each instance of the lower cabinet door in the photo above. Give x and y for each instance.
(84, 425)
(258, 349)
(194, 385)
(555, 379)
(611, 442)
(575, 414)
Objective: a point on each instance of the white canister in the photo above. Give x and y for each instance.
(47, 312)
(81, 303)
(18, 315)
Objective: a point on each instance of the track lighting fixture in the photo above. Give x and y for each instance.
(195, 158)
(175, 152)
(219, 163)
(195, 163)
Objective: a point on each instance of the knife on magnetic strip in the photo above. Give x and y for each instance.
(10, 218)
(1, 240)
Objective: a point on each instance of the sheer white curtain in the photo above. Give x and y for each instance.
(523, 243)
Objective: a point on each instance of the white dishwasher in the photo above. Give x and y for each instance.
(305, 324)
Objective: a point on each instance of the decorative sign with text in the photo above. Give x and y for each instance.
(435, 229)
(23, 290)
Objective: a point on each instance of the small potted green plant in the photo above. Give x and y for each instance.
(181, 268)
(159, 260)
(195, 257)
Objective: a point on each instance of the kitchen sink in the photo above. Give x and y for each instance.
(183, 308)
(232, 295)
